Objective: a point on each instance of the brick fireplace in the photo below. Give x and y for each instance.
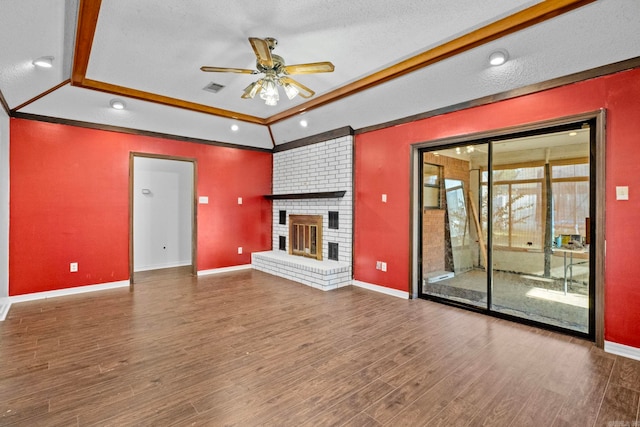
(312, 181)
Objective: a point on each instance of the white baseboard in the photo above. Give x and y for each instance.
(381, 289)
(161, 266)
(69, 291)
(5, 305)
(622, 350)
(224, 269)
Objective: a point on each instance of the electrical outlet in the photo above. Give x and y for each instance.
(378, 265)
(383, 266)
(239, 200)
(239, 250)
(384, 198)
(73, 267)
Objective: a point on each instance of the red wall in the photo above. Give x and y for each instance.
(382, 166)
(70, 203)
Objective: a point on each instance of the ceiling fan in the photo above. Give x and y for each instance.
(276, 73)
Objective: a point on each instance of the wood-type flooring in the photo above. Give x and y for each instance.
(250, 349)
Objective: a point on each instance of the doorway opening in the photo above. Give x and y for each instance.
(510, 224)
(162, 206)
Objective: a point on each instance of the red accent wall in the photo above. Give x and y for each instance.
(382, 167)
(70, 203)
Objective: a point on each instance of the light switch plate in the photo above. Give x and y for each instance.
(384, 198)
(622, 193)
(203, 200)
(239, 200)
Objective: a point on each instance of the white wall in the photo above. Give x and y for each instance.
(4, 204)
(162, 219)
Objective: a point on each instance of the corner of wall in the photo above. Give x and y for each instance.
(4, 204)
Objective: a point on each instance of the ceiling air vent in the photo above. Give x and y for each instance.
(213, 87)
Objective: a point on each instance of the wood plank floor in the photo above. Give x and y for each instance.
(247, 348)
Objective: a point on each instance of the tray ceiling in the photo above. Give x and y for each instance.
(392, 59)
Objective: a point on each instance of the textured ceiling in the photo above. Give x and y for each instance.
(148, 53)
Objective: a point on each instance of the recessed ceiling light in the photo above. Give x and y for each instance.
(234, 127)
(498, 57)
(117, 104)
(573, 133)
(303, 123)
(44, 62)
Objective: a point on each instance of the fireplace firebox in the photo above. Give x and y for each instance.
(305, 236)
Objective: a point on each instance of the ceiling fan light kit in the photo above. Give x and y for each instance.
(276, 73)
(290, 90)
(269, 91)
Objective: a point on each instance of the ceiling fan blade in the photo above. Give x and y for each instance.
(228, 70)
(314, 67)
(262, 51)
(304, 91)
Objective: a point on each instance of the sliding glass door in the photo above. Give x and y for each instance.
(540, 212)
(454, 255)
(509, 230)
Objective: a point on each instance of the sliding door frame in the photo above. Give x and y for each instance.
(597, 159)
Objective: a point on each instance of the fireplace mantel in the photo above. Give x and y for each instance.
(320, 195)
